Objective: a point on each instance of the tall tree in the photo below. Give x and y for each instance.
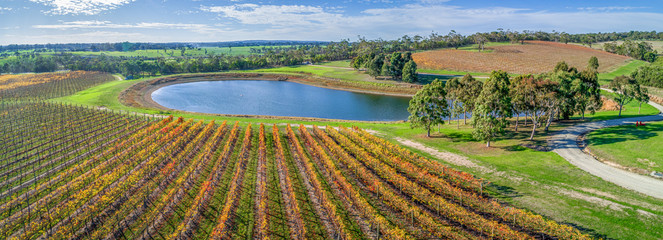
(625, 89)
(375, 66)
(471, 88)
(385, 69)
(410, 72)
(642, 96)
(480, 39)
(454, 92)
(428, 107)
(536, 97)
(396, 65)
(594, 63)
(520, 96)
(587, 91)
(492, 107)
(565, 76)
(561, 66)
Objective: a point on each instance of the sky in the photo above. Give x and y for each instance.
(100, 21)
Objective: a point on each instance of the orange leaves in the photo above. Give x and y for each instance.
(168, 172)
(262, 209)
(48, 85)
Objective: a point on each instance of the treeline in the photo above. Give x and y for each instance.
(638, 50)
(542, 99)
(140, 66)
(363, 51)
(398, 66)
(649, 75)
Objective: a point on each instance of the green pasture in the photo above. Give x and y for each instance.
(630, 145)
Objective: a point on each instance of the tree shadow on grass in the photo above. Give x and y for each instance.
(589, 231)
(426, 79)
(514, 148)
(502, 192)
(624, 133)
(460, 137)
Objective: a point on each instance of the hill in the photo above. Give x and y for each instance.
(531, 57)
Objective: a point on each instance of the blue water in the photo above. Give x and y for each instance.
(279, 98)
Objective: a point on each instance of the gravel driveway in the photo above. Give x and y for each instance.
(565, 144)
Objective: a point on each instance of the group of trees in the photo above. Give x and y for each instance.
(139, 66)
(627, 89)
(542, 99)
(638, 50)
(398, 66)
(649, 75)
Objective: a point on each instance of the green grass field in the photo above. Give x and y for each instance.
(341, 63)
(330, 72)
(606, 78)
(630, 146)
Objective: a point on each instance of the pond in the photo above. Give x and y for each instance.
(280, 98)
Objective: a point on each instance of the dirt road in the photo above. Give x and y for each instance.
(565, 144)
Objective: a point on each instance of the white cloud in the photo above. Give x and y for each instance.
(109, 25)
(5, 9)
(281, 15)
(76, 7)
(304, 22)
(88, 37)
(316, 23)
(611, 8)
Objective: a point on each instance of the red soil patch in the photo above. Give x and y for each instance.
(609, 104)
(531, 57)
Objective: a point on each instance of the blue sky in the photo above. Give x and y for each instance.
(65, 21)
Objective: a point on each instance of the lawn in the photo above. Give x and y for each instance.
(341, 63)
(630, 146)
(330, 72)
(627, 69)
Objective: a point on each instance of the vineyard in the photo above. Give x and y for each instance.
(531, 57)
(71, 172)
(49, 85)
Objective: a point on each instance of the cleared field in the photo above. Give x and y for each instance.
(633, 147)
(531, 57)
(176, 178)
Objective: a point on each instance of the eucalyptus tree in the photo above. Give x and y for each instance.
(624, 89)
(493, 106)
(428, 107)
(642, 96)
(410, 72)
(587, 91)
(471, 88)
(454, 90)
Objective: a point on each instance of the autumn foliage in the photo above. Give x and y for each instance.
(138, 178)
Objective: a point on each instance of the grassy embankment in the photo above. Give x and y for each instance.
(536, 180)
(629, 146)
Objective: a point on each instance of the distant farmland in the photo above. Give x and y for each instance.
(531, 57)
